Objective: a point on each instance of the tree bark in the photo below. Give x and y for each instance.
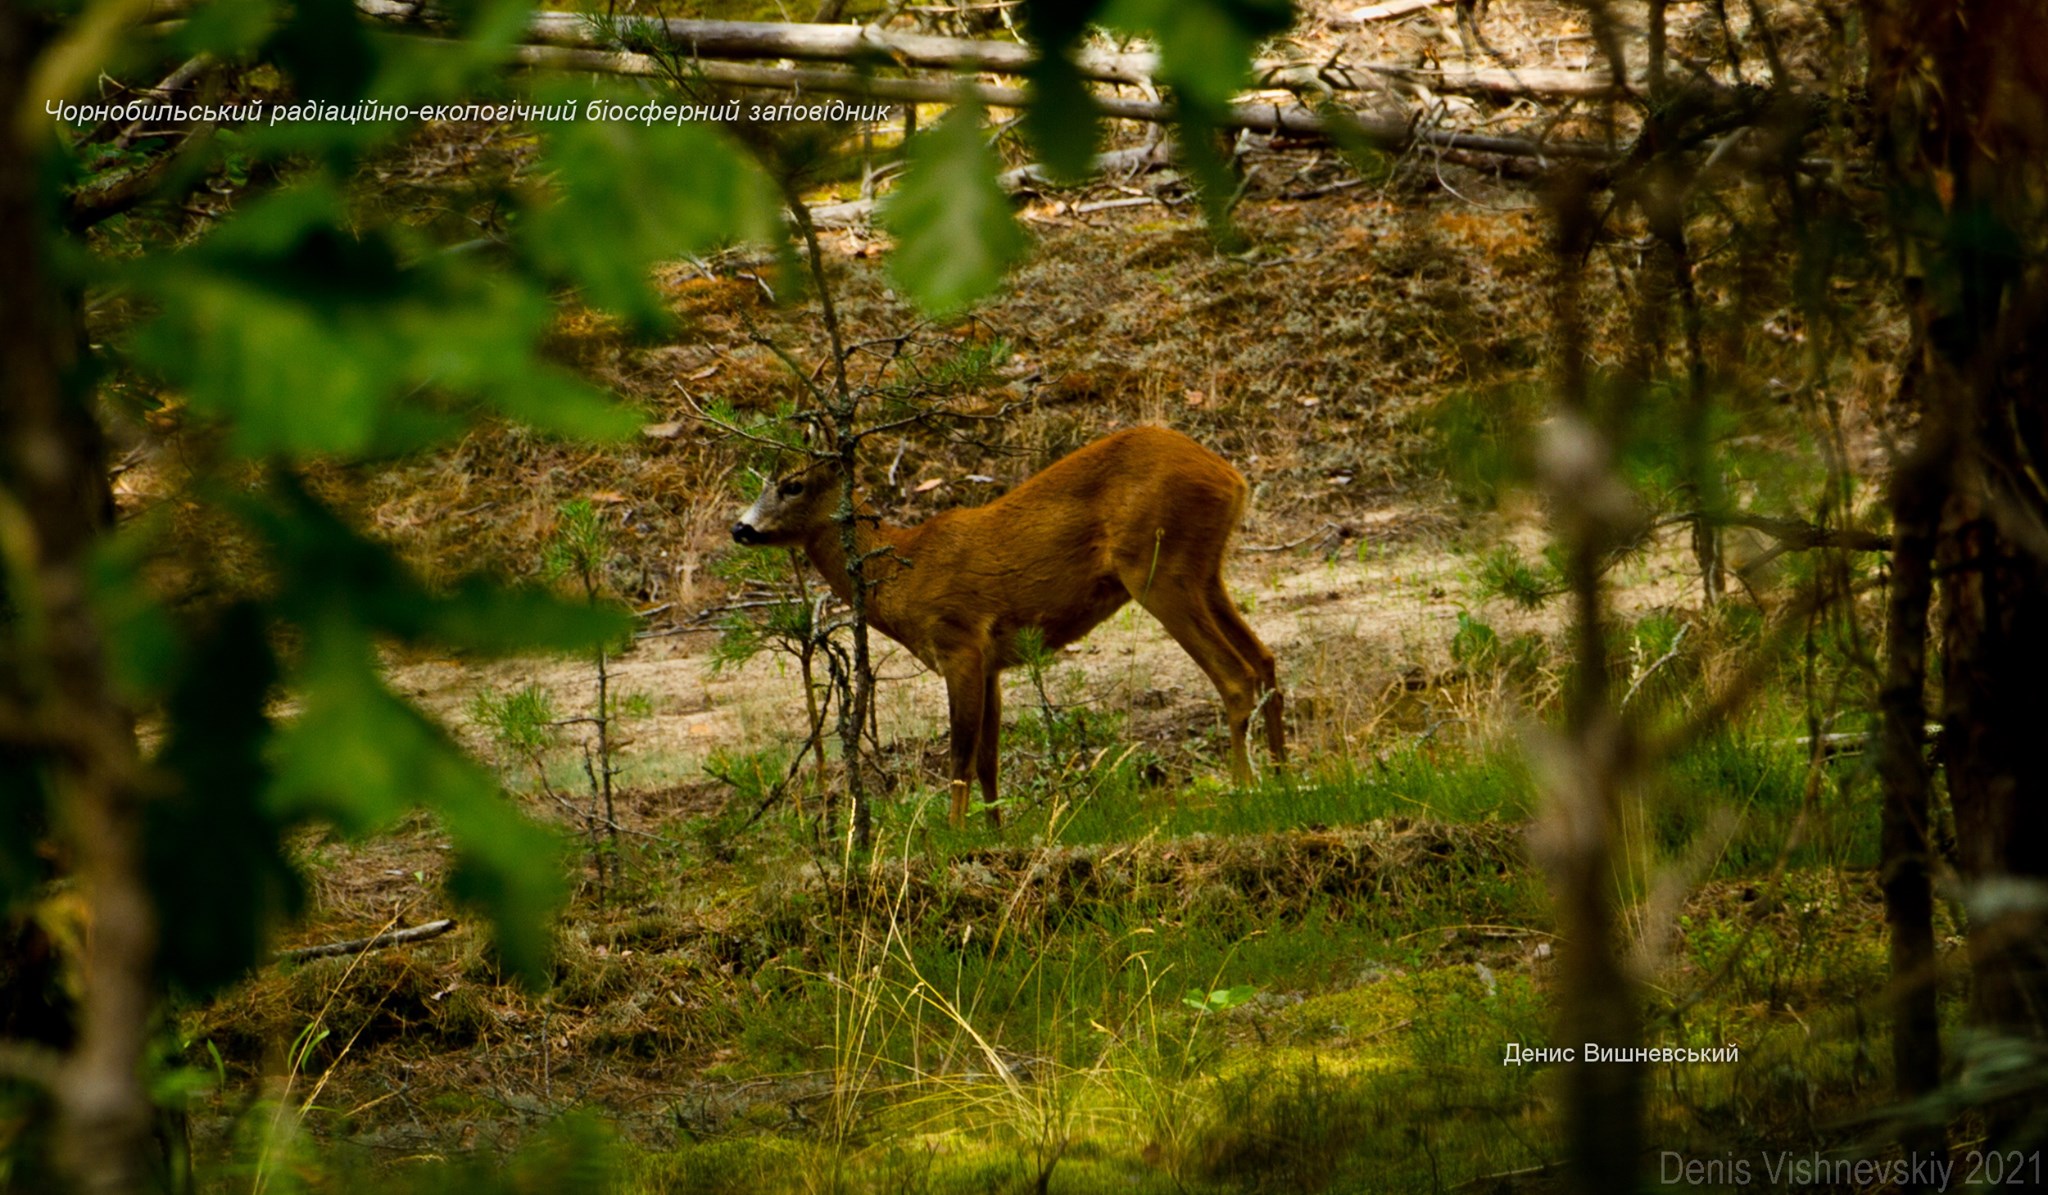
(1591, 765)
(1961, 99)
(1994, 654)
(55, 502)
(1918, 489)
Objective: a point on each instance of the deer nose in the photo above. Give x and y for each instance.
(743, 534)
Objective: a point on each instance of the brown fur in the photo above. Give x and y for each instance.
(1144, 514)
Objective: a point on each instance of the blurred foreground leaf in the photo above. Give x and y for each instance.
(955, 232)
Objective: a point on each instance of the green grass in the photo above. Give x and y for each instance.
(1383, 934)
(1329, 1097)
(1761, 776)
(1076, 780)
(1114, 803)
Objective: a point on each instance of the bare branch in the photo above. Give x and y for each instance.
(1793, 534)
(396, 937)
(1677, 641)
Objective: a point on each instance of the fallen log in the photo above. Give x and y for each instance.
(1023, 178)
(1268, 117)
(856, 44)
(1384, 12)
(395, 937)
(871, 46)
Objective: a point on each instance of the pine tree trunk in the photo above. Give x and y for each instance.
(55, 502)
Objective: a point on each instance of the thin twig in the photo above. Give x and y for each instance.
(606, 824)
(396, 937)
(1795, 534)
(1321, 533)
(1677, 641)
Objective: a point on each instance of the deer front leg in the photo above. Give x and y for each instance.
(966, 694)
(991, 738)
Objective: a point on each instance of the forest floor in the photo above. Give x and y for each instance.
(1146, 980)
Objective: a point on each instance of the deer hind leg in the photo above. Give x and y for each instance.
(1254, 650)
(991, 736)
(966, 695)
(1192, 619)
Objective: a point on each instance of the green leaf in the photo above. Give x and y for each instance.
(142, 643)
(627, 196)
(955, 232)
(580, 546)
(1205, 50)
(491, 619)
(551, 400)
(1220, 1000)
(214, 848)
(1062, 123)
(310, 339)
(1480, 439)
(521, 722)
(225, 27)
(511, 869)
(24, 820)
(361, 757)
(174, 1087)
(355, 755)
(1504, 573)
(1209, 163)
(325, 49)
(331, 571)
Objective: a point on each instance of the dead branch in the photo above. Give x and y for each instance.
(1677, 641)
(1326, 531)
(396, 937)
(1800, 536)
(119, 193)
(869, 46)
(1030, 177)
(1268, 117)
(1501, 83)
(864, 44)
(171, 84)
(1795, 535)
(1384, 12)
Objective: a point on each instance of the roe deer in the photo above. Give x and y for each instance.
(1143, 514)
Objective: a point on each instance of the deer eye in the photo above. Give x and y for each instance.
(790, 488)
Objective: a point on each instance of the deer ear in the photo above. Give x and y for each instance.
(822, 435)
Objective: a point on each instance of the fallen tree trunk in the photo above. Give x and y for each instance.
(1271, 117)
(868, 45)
(1023, 178)
(1498, 82)
(1384, 12)
(774, 39)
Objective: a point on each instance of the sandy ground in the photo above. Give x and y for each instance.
(1350, 624)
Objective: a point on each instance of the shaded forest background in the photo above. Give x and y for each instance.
(1643, 411)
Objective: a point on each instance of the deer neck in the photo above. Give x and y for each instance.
(880, 549)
